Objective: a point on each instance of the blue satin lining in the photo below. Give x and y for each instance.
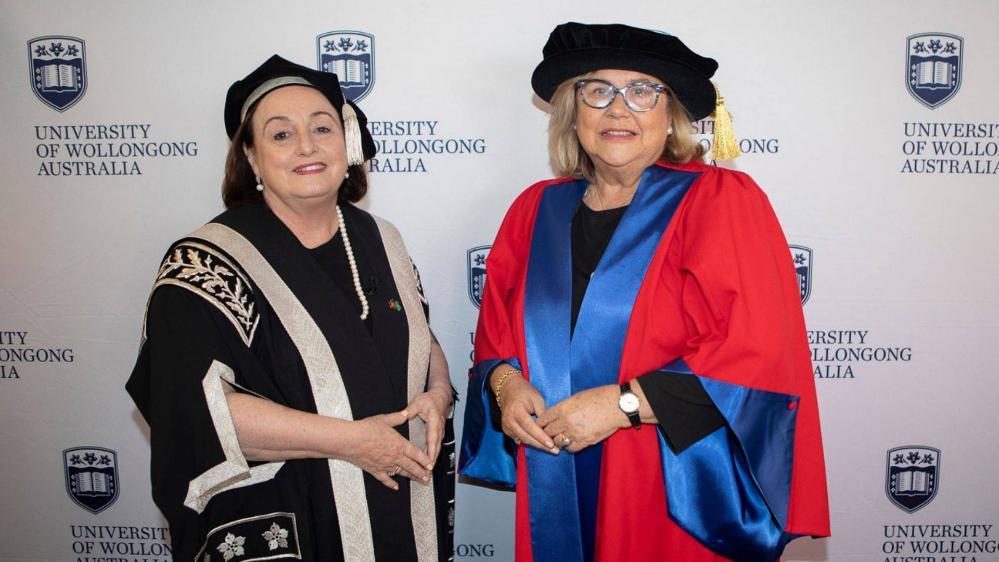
(486, 454)
(563, 489)
(551, 482)
(731, 489)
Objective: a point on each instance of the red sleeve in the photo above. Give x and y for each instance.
(743, 315)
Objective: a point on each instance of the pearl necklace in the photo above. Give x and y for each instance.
(353, 265)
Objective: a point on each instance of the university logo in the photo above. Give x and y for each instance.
(912, 477)
(91, 477)
(351, 56)
(802, 257)
(58, 70)
(477, 273)
(933, 67)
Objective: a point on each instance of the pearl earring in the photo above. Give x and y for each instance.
(669, 131)
(260, 184)
(346, 174)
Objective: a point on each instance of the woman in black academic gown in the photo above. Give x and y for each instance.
(297, 399)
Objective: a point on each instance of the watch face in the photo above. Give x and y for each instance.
(628, 402)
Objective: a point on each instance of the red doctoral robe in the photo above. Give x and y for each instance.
(719, 294)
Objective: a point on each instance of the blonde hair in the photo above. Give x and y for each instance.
(568, 156)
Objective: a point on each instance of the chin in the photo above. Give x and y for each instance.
(619, 160)
(317, 187)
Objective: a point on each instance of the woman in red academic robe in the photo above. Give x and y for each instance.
(641, 370)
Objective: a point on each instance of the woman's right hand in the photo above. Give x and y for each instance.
(381, 451)
(520, 402)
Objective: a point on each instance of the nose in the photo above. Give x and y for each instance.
(618, 108)
(306, 145)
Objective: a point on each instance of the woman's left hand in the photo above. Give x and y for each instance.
(585, 418)
(432, 407)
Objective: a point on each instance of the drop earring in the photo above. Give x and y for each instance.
(260, 184)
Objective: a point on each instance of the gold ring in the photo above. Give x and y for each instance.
(395, 470)
(565, 440)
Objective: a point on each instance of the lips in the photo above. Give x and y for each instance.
(618, 133)
(310, 168)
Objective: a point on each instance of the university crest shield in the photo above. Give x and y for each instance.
(912, 476)
(933, 67)
(476, 262)
(351, 56)
(57, 64)
(91, 477)
(802, 257)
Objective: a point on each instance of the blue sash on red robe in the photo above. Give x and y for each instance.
(730, 490)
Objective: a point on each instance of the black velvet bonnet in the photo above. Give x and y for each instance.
(575, 48)
(270, 75)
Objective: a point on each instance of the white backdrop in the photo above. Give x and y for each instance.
(902, 271)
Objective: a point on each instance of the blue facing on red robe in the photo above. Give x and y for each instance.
(697, 280)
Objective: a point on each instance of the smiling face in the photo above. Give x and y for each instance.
(617, 138)
(298, 150)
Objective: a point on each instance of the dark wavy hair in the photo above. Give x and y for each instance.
(239, 186)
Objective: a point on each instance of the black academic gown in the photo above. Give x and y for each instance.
(241, 304)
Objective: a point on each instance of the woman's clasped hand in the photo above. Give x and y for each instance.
(581, 420)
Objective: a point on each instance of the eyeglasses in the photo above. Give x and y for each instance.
(638, 96)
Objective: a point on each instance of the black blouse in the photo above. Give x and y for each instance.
(332, 257)
(683, 408)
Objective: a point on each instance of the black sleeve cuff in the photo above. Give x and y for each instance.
(494, 410)
(685, 412)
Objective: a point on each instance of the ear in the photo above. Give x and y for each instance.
(252, 159)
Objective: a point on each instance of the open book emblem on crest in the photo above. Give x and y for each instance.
(933, 67)
(802, 257)
(912, 476)
(58, 70)
(477, 273)
(91, 477)
(351, 56)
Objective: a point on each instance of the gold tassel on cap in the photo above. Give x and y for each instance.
(724, 145)
(352, 136)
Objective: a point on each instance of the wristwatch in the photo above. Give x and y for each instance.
(628, 402)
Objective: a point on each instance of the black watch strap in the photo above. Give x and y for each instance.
(633, 417)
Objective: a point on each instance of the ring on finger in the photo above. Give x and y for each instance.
(394, 471)
(564, 441)
(516, 440)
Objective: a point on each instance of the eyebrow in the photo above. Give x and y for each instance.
(630, 82)
(275, 118)
(283, 118)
